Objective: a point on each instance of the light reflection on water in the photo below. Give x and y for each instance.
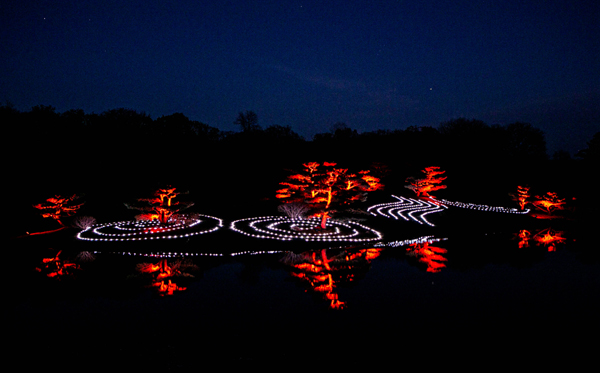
(337, 295)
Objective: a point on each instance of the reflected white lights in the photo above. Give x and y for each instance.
(286, 229)
(150, 230)
(407, 209)
(429, 239)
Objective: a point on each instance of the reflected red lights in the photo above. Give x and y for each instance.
(546, 237)
(162, 271)
(549, 238)
(429, 255)
(318, 269)
(56, 267)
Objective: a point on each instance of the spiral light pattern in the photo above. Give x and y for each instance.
(150, 229)
(286, 229)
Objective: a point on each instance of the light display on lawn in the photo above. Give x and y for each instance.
(320, 186)
(430, 183)
(408, 209)
(180, 226)
(286, 229)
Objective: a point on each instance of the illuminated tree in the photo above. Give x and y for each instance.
(522, 196)
(431, 182)
(162, 206)
(320, 186)
(549, 202)
(294, 210)
(59, 207)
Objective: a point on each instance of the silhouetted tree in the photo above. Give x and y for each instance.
(525, 142)
(248, 121)
(592, 152)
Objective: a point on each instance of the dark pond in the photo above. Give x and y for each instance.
(484, 291)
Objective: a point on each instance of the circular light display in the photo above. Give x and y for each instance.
(286, 229)
(194, 225)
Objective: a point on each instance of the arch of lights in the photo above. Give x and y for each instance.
(407, 209)
(287, 229)
(151, 229)
(473, 206)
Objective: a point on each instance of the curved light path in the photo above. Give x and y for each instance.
(150, 229)
(286, 229)
(423, 239)
(472, 206)
(407, 209)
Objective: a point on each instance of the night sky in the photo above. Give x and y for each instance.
(309, 64)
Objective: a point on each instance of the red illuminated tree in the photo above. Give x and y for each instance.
(321, 186)
(162, 206)
(59, 207)
(430, 183)
(522, 196)
(549, 202)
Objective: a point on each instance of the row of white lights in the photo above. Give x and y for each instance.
(473, 206)
(408, 206)
(274, 231)
(159, 254)
(142, 230)
(429, 239)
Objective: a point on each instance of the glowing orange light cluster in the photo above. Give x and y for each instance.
(317, 269)
(58, 207)
(546, 237)
(431, 182)
(321, 185)
(56, 267)
(161, 207)
(429, 255)
(522, 196)
(161, 272)
(168, 288)
(549, 202)
(524, 236)
(549, 238)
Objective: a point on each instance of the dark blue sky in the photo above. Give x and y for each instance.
(308, 64)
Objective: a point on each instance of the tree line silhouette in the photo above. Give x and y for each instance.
(117, 151)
